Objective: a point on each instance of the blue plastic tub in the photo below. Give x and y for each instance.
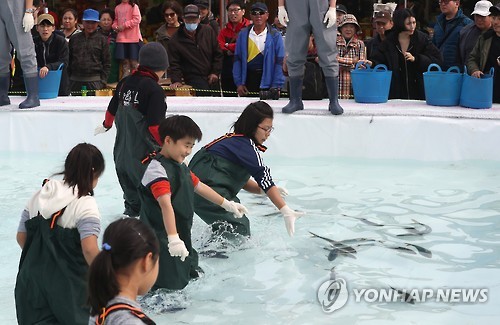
(442, 88)
(48, 87)
(477, 92)
(371, 85)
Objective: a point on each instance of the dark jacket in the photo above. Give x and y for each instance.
(372, 45)
(468, 38)
(52, 54)
(446, 37)
(89, 58)
(198, 57)
(212, 22)
(407, 77)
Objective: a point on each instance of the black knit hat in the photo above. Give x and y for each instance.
(153, 56)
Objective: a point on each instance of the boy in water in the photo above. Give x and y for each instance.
(167, 200)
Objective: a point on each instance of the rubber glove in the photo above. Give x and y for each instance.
(283, 15)
(290, 216)
(28, 22)
(176, 247)
(100, 129)
(235, 208)
(330, 17)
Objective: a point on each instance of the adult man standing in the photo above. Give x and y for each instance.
(194, 54)
(383, 22)
(320, 18)
(227, 42)
(470, 33)
(447, 31)
(89, 58)
(258, 58)
(16, 22)
(207, 16)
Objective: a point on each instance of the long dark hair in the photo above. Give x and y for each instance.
(130, 2)
(251, 117)
(83, 164)
(399, 18)
(124, 242)
(175, 6)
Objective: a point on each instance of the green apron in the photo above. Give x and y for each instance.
(227, 179)
(174, 274)
(133, 143)
(114, 72)
(51, 283)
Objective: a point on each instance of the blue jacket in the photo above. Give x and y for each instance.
(447, 42)
(274, 52)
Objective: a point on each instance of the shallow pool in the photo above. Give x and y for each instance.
(274, 279)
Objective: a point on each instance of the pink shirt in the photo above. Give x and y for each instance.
(129, 17)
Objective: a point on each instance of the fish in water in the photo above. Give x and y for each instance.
(415, 228)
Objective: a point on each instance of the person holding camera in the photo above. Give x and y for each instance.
(258, 57)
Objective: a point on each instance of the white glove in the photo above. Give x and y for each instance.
(236, 208)
(176, 247)
(100, 129)
(283, 15)
(290, 216)
(330, 17)
(28, 22)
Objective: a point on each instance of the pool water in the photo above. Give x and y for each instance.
(273, 279)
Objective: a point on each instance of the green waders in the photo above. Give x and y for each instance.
(227, 179)
(51, 283)
(174, 274)
(133, 143)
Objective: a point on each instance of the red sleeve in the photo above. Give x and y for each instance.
(195, 179)
(153, 129)
(160, 188)
(222, 40)
(108, 120)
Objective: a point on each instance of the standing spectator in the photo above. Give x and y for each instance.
(138, 106)
(195, 55)
(89, 60)
(351, 50)
(470, 33)
(106, 18)
(258, 57)
(70, 23)
(447, 31)
(227, 42)
(172, 13)
(129, 39)
(486, 53)
(341, 11)
(51, 51)
(407, 52)
(320, 17)
(206, 16)
(382, 22)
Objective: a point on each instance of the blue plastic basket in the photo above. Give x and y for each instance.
(477, 92)
(371, 85)
(48, 87)
(442, 88)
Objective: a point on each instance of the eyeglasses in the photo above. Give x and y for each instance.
(234, 11)
(267, 130)
(170, 15)
(258, 12)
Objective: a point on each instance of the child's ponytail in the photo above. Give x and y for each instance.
(103, 285)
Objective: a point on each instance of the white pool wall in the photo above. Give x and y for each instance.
(396, 130)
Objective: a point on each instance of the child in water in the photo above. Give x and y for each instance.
(126, 267)
(58, 235)
(167, 199)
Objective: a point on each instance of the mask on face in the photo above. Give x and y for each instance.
(191, 27)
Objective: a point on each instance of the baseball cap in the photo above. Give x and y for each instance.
(495, 10)
(259, 6)
(47, 17)
(383, 16)
(341, 8)
(482, 8)
(91, 15)
(191, 11)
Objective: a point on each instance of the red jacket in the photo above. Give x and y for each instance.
(229, 34)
